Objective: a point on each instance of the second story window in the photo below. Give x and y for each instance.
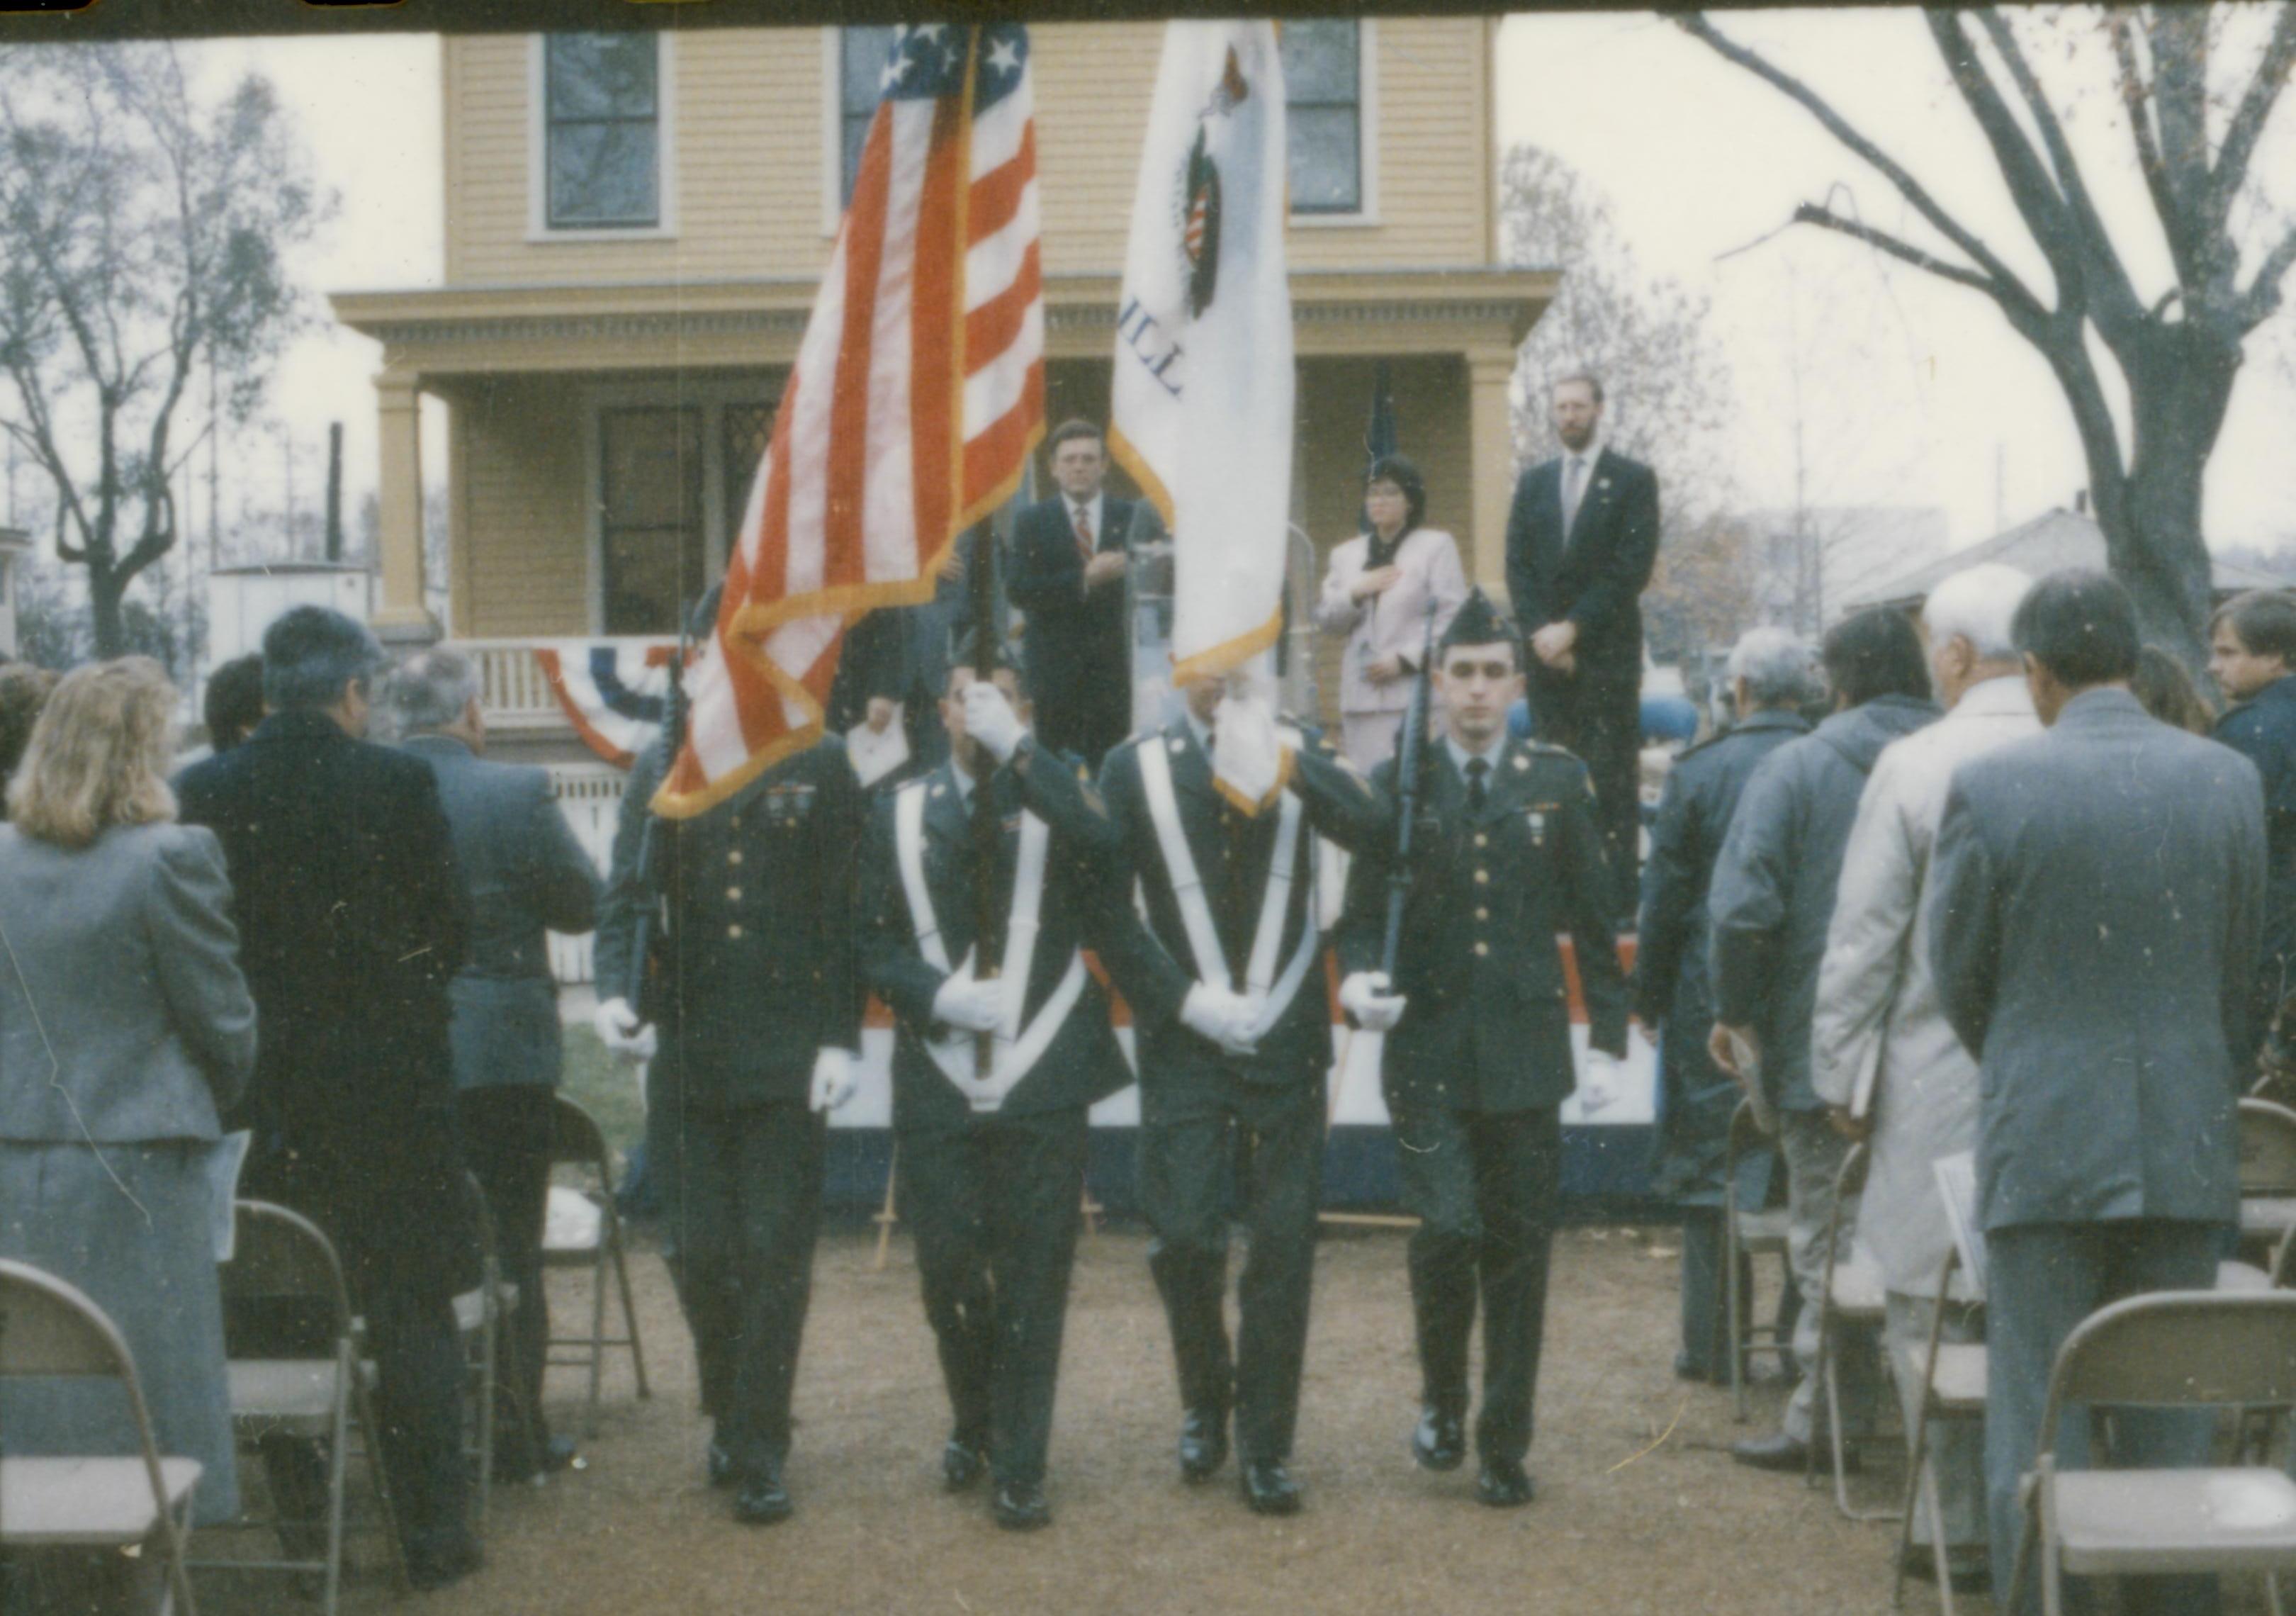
(1323, 83)
(601, 122)
(861, 53)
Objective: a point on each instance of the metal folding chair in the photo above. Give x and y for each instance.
(49, 1328)
(577, 1142)
(280, 1259)
(1953, 1379)
(1852, 1295)
(2170, 1350)
(481, 1315)
(2267, 1176)
(1748, 1235)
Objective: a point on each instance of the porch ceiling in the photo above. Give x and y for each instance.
(473, 331)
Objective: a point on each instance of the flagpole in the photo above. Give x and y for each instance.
(988, 824)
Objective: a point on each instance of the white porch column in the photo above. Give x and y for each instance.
(402, 616)
(1491, 442)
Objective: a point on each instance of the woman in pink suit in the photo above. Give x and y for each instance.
(1377, 594)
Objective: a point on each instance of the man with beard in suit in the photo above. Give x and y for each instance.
(1581, 539)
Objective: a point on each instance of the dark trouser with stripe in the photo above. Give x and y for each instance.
(1485, 1186)
(1271, 1137)
(740, 1187)
(506, 1134)
(993, 1209)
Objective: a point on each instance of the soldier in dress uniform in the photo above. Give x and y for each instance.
(992, 1163)
(1506, 853)
(1234, 1038)
(753, 1002)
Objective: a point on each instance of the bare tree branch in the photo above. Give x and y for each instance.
(1826, 218)
(2262, 300)
(2002, 283)
(2137, 98)
(2249, 117)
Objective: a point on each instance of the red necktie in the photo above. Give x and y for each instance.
(1085, 546)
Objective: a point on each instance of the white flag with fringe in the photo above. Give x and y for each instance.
(1200, 412)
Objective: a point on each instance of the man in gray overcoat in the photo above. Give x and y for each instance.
(525, 874)
(2106, 1156)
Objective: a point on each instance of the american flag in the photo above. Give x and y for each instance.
(918, 397)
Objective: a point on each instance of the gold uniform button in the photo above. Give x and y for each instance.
(1481, 949)
(1482, 914)
(1482, 878)
(735, 932)
(734, 856)
(732, 894)
(1482, 840)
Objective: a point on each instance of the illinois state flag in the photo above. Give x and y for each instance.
(1202, 409)
(917, 395)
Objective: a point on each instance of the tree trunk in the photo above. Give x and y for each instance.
(2180, 385)
(106, 589)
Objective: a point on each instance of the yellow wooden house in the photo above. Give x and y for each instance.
(634, 227)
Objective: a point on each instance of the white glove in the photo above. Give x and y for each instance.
(833, 1079)
(1247, 754)
(1364, 995)
(968, 1004)
(1218, 1014)
(989, 719)
(618, 1028)
(1598, 1083)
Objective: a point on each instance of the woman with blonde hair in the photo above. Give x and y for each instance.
(126, 1030)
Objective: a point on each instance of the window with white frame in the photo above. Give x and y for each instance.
(671, 475)
(1323, 113)
(861, 53)
(601, 100)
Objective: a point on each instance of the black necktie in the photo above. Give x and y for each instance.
(1477, 767)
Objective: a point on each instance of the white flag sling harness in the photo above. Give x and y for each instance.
(1018, 1049)
(1261, 980)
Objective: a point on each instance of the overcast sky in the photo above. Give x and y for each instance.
(1910, 391)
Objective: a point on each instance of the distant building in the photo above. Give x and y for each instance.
(2049, 543)
(15, 546)
(1812, 564)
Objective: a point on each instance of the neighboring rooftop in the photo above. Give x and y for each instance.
(2049, 543)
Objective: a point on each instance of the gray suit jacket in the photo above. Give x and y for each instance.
(2095, 901)
(524, 874)
(123, 1014)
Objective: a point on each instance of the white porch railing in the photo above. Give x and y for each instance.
(510, 685)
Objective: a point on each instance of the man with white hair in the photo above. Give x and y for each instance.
(1883, 1058)
(1769, 674)
(524, 874)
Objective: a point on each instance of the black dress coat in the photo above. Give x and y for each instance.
(1078, 646)
(1593, 575)
(352, 922)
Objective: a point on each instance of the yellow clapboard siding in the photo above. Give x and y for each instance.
(526, 569)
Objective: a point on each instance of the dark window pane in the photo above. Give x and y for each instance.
(604, 174)
(601, 75)
(865, 51)
(749, 429)
(1326, 170)
(1319, 61)
(650, 517)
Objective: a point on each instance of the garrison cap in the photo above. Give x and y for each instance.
(1480, 623)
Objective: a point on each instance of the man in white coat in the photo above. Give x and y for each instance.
(1883, 1058)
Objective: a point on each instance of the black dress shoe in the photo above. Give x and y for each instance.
(1268, 1488)
(1203, 1443)
(721, 1464)
(763, 1500)
(561, 1454)
(1503, 1484)
(427, 1572)
(1440, 1440)
(1783, 1452)
(960, 1464)
(1020, 1506)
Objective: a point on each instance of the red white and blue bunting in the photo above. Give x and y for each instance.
(614, 694)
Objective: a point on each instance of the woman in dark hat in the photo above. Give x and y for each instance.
(1376, 593)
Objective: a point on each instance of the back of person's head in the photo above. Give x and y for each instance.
(430, 689)
(1405, 475)
(2264, 620)
(1978, 604)
(98, 756)
(310, 653)
(2080, 627)
(234, 703)
(1874, 654)
(1775, 663)
(2163, 687)
(23, 691)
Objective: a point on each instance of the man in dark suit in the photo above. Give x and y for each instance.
(894, 667)
(1769, 673)
(1504, 856)
(749, 992)
(992, 1163)
(352, 921)
(1069, 566)
(524, 874)
(2252, 653)
(1235, 1041)
(1581, 539)
(2095, 902)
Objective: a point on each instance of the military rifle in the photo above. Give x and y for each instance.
(653, 913)
(1410, 766)
(987, 829)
